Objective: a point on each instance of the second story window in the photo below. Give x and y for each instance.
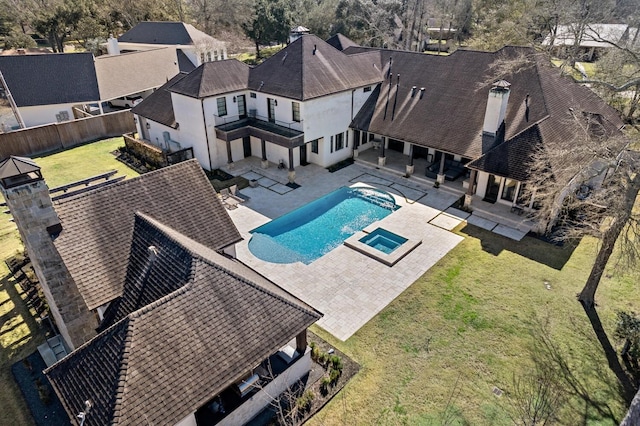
(208, 56)
(367, 89)
(222, 106)
(202, 57)
(339, 141)
(295, 110)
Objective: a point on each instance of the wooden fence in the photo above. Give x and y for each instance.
(52, 137)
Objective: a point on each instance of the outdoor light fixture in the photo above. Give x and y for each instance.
(275, 102)
(148, 126)
(234, 99)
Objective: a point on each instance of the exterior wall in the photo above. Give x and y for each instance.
(192, 132)
(481, 186)
(190, 420)
(33, 212)
(44, 114)
(262, 398)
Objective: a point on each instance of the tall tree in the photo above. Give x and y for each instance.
(270, 22)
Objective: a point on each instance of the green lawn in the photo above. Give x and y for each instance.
(19, 333)
(434, 355)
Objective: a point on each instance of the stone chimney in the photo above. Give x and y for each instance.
(27, 197)
(493, 127)
(112, 45)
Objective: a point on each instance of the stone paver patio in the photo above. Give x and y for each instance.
(348, 287)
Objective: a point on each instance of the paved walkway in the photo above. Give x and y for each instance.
(348, 287)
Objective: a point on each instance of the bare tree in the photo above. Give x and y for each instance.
(536, 397)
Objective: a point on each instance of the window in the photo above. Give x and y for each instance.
(314, 146)
(331, 145)
(202, 58)
(509, 190)
(252, 95)
(339, 141)
(367, 89)
(208, 56)
(222, 106)
(295, 111)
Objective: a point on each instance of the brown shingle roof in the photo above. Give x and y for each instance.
(341, 42)
(297, 72)
(97, 225)
(450, 115)
(158, 106)
(164, 361)
(213, 78)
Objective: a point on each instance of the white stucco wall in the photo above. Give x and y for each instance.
(192, 133)
(44, 114)
(262, 398)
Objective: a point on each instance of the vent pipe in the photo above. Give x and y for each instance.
(421, 92)
(315, 48)
(413, 91)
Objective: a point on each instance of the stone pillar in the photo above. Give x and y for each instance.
(33, 212)
(229, 156)
(263, 147)
(410, 168)
(440, 178)
(301, 342)
(468, 196)
(382, 160)
(292, 170)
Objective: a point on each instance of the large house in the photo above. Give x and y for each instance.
(164, 323)
(192, 45)
(313, 102)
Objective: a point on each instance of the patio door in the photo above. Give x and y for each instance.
(303, 155)
(271, 110)
(246, 146)
(493, 189)
(242, 107)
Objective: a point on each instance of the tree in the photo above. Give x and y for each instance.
(270, 22)
(19, 40)
(535, 398)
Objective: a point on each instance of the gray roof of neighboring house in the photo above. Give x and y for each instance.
(97, 225)
(128, 73)
(341, 42)
(176, 33)
(309, 68)
(47, 79)
(207, 321)
(184, 63)
(158, 106)
(214, 78)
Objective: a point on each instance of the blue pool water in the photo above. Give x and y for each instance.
(315, 229)
(383, 240)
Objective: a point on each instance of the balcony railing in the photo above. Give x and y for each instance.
(278, 132)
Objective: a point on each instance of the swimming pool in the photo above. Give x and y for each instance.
(315, 229)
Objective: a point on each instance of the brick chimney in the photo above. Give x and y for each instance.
(493, 127)
(27, 197)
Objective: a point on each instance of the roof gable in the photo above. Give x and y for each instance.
(310, 68)
(172, 33)
(213, 78)
(170, 367)
(50, 79)
(98, 225)
(158, 106)
(341, 42)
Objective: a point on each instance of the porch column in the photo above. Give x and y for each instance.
(301, 342)
(440, 178)
(468, 196)
(382, 160)
(229, 156)
(356, 142)
(410, 168)
(263, 146)
(292, 170)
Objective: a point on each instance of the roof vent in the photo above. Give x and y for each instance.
(153, 253)
(315, 47)
(413, 91)
(421, 92)
(398, 82)
(261, 84)
(285, 56)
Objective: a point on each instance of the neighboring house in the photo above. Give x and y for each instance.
(591, 39)
(294, 108)
(47, 88)
(186, 334)
(313, 103)
(193, 46)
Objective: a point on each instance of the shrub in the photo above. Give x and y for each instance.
(315, 352)
(323, 357)
(304, 401)
(324, 385)
(334, 376)
(336, 362)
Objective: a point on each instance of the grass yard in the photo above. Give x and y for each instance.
(434, 355)
(19, 333)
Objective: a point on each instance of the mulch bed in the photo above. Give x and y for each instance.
(42, 401)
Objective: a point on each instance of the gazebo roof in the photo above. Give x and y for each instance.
(16, 166)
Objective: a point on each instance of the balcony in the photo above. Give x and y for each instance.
(277, 132)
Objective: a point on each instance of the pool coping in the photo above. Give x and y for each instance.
(389, 259)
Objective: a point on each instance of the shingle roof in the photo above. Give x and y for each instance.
(309, 68)
(184, 63)
(121, 75)
(51, 79)
(450, 115)
(97, 225)
(341, 42)
(214, 78)
(177, 33)
(158, 106)
(164, 361)
(15, 166)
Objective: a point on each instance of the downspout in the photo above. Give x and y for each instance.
(353, 145)
(206, 134)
